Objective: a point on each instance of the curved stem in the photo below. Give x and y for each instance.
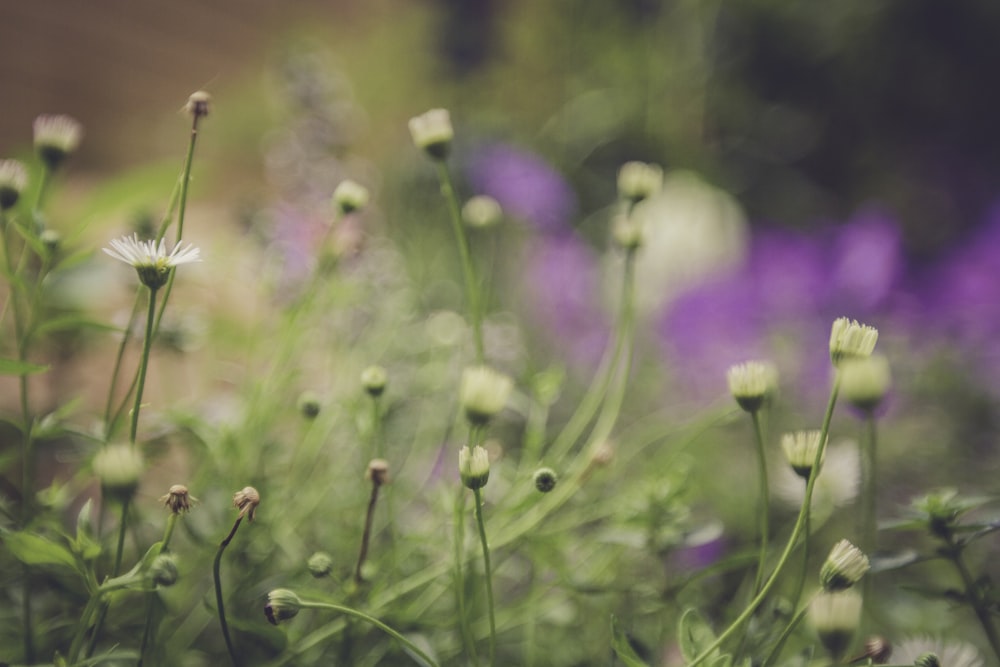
(471, 286)
(143, 364)
(762, 501)
(488, 573)
(972, 594)
(374, 621)
(775, 653)
(216, 565)
(792, 539)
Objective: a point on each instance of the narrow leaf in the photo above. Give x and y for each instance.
(622, 647)
(15, 367)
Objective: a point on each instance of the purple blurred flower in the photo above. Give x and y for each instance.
(525, 185)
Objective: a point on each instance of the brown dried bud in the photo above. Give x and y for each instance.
(198, 104)
(178, 500)
(246, 502)
(378, 472)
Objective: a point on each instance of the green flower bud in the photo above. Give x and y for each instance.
(309, 404)
(55, 138)
(432, 133)
(752, 383)
(482, 211)
(374, 379)
(51, 239)
(927, 660)
(483, 393)
(800, 450)
(545, 479)
(282, 604)
(320, 564)
(848, 338)
(119, 468)
(350, 196)
(865, 381)
(474, 466)
(639, 180)
(844, 567)
(163, 571)
(626, 230)
(836, 616)
(13, 180)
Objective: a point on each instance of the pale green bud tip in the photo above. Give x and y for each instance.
(800, 450)
(51, 239)
(482, 211)
(626, 230)
(927, 660)
(199, 104)
(836, 616)
(246, 501)
(432, 133)
(163, 571)
(178, 500)
(13, 180)
(474, 466)
(350, 196)
(55, 138)
(309, 404)
(483, 393)
(119, 468)
(545, 479)
(849, 338)
(374, 379)
(751, 383)
(844, 567)
(282, 604)
(639, 180)
(320, 564)
(377, 472)
(864, 381)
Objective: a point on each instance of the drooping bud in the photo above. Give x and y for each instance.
(246, 501)
(432, 133)
(178, 500)
(849, 338)
(545, 479)
(844, 567)
(474, 466)
(282, 604)
(752, 383)
(163, 571)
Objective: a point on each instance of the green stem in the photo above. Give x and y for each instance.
(762, 501)
(366, 536)
(374, 621)
(116, 369)
(792, 539)
(471, 286)
(119, 550)
(81, 630)
(216, 565)
(143, 364)
(463, 617)
(972, 594)
(775, 653)
(805, 558)
(488, 573)
(147, 631)
(868, 489)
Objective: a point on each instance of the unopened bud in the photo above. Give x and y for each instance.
(639, 180)
(246, 501)
(482, 211)
(835, 616)
(320, 564)
(474, 466)
(350, 196)
(800, 450)
(378, 472)
(309, 404)
(844, 567)
(864, 381)
(752, 383)
(545, 479)
(198, 105)
(119, 468)
(374, 379)
(483, 393)
(13, 180)
(163, 571)
(432, 133)
(849, 338)
(55, 138)
(282, 604)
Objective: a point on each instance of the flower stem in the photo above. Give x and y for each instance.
(792, 539)
(762, 501)
(775, 653)
(471, 286)
(147, 631)
(218, 591)
(463, 617)
(972, 592)
(869, 481)
(377, 623)
(489, 576)
(366, 536)
(143, 364)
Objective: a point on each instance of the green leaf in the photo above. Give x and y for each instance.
(15, 367)
(622, 647)
(694, 635)
(71, 322)
(36, 550)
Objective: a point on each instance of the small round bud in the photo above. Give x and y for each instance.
(282, 604)
(246, 501)
(432, 133)
(374, 379)
(545, 479)
(51, 239)
(639, 180)
(848, 338)
(800, 450)
(320, 564)
(55, 138)
(378, 472)
(198, 105)
(178, 500)
(119, 468)
(482, 211)
(927, 660)
(864, 381)
(752, 383)
(474, 466)
(483, 393)
(844, 567)
(836, 616)
(309, 404)
(163, 571)
(13, 180)
(626, 230)
(350, 196)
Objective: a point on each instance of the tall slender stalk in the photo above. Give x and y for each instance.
(973, 594)
(220, 605)
(762, 500)
(143, 365)
(147, 631)
(488, 573)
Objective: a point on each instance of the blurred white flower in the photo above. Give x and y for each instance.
(950, 653)
(836, 486)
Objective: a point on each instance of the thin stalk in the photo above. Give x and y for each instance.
(147, 631)
(115, 570)
(463, 617)
(869, 480)
(143, 364)
(792, 539)
(489, 576)
(468, 272)
(805, 558)
(374, 621)
(116, 369)
(972, 594)
(81, 631)
(762, 501)
(366, 536)
(218, 592)
(775, 653)
(376, 429)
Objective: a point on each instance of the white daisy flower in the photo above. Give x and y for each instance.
(150, 259)
(950, 653)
